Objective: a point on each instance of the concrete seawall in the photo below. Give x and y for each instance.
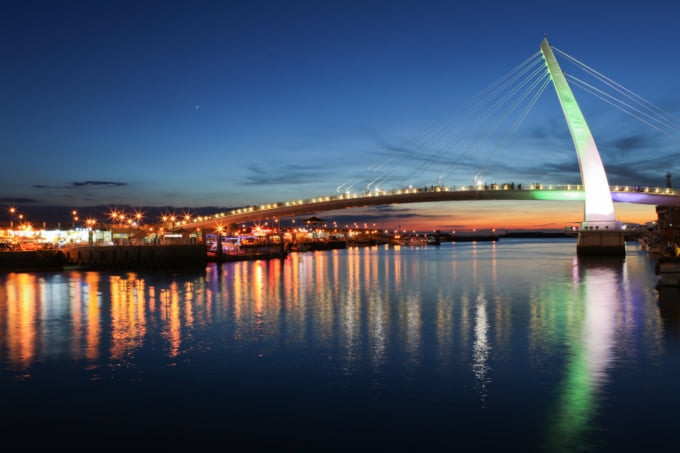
(180, 256)
(31, 260)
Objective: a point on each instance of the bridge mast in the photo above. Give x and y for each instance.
(600, 233)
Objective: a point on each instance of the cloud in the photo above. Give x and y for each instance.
(289, 174)
(98, 183)
(632, 143)
(20, 200)
(82, 184)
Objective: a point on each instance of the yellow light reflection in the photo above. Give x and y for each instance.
(20, 306)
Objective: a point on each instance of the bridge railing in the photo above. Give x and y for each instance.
(428, 189)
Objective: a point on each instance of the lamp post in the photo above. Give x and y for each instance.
(90, 233)
(12, 211)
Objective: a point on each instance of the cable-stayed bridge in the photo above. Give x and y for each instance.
(544, 192)
(518, 91)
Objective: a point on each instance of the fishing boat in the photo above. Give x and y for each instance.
(409, 240)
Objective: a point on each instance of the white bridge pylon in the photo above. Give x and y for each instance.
(600, 233)
(598, 205)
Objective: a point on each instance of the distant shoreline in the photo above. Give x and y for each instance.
(537, 234)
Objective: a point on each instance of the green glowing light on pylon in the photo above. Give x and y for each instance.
(598, 203)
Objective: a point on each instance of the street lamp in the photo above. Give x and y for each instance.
(12, 211)
(90, 233)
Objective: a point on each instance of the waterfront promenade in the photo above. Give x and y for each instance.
(190, 252)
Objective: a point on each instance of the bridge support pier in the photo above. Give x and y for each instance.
(605, 239)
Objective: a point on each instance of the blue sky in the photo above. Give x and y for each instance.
(218, 103)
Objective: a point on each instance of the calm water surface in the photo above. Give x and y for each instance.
(510, 345)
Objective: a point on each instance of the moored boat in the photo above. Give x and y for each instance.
(668, 268)
(409, 240)
(433, 239)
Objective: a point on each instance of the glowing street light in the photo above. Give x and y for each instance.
(90, 226)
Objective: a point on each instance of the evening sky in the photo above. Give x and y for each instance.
(226, 103)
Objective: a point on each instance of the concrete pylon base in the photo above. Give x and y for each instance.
(601, 242)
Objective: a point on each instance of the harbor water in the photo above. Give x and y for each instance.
(476, 346)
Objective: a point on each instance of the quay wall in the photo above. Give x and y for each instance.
(31, 260)
(176, 256)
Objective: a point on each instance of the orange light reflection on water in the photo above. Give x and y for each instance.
(93, 329)
(20, 335)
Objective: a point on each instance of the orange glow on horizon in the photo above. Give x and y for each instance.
(504, 215)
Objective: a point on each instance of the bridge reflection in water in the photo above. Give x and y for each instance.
(596, 281)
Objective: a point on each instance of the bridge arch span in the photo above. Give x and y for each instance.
(650, 196)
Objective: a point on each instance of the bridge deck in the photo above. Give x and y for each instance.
(651, 196)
